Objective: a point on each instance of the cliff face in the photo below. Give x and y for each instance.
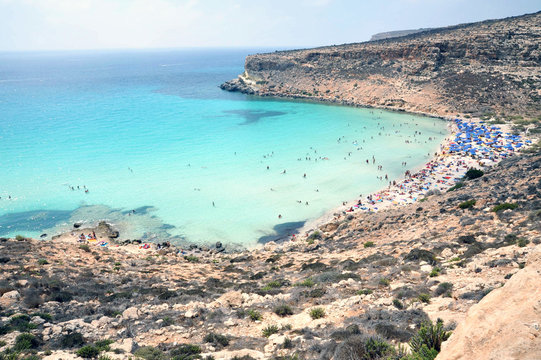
(486, 67)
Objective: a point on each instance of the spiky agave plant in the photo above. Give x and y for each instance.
(431, 335)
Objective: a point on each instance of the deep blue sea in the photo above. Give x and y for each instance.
(148, 141)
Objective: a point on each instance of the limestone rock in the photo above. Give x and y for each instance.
(127, 345)
(131, 313)
(231, 299)
(10, 298)
(61, 355)
(226, 355)
(505, 324)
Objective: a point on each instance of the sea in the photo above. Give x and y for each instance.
(147, 141)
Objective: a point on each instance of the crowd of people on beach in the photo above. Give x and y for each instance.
(472, 145)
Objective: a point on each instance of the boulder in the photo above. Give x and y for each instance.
(10, 298)
(230, 299)
(131, 313)
(505, 324)
(61, 354)
(127, 345)
(227, 355)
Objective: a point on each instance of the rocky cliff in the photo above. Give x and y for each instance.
(490, 67)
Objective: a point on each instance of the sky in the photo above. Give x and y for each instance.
(120, 24)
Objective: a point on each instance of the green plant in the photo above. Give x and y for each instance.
(424, 353)
(20, 238)
(504, 206)
(272, 285)
(191, 258)
(424, 298)
(32, 357)
(467, 204)
(431, 335)
(368, 244)
(185, 352)
(398, 304)
(72, 340)
(88, 352)
(61, 296)
(474, 174)
(287, 344)
(384, 282)
(364, 292)
(103, 345)
(254, 315)
(2, 343)
(316, 293)
(283, 310)
(269, 330)
(444, 288)
(522, 242)
(316, 235)
(457, 186)
(149, 353)
(435, 271)
(104, 357)
(306, 282)
(21, 323)
(44, 316)
(167, 321)
(25, 341)
(217, 339)
(376, 348)
(42, 262)
(84, 247)
(317, 313)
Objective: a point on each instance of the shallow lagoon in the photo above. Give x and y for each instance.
(164, 153)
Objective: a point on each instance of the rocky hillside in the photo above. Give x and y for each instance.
(490, 68)
(355, 288)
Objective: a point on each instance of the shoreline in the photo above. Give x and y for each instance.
(331, 215)
(339, 212)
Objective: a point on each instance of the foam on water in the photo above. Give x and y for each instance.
(166, 142)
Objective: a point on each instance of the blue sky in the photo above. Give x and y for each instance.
(109, 24)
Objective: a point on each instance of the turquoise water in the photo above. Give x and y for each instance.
(152, 132)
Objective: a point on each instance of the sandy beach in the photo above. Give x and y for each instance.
(444, 170)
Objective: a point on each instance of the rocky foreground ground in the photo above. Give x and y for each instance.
(469, 257)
